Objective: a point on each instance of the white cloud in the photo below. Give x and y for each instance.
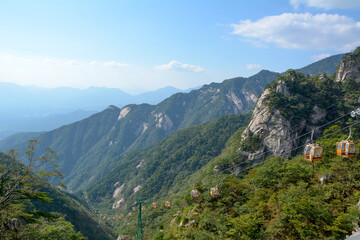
(253, 66)
(302, 31)
(327, 4)
(320, 56)
(175, 65)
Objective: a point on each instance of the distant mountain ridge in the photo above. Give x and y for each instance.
(87, 148)
(31, 109)
(327, 65)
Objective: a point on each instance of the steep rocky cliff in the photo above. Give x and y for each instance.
(349, 66)
(293, 105)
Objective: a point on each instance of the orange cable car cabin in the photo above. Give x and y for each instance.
(346, 148)
(195, 194)
(167, 204)
(154, 205)
(313, 152)
(214, 192)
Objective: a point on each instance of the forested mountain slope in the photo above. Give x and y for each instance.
(327, 66)
(282, 197)
(32, 208)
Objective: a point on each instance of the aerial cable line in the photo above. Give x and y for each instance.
(257, 157)
(254, 165)
(289, 151)
(293, 149)
(325, 109)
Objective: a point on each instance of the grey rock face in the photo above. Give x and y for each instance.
(277, 134)
(271, 126)
(348, 69)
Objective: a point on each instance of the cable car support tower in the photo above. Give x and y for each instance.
(139, 229)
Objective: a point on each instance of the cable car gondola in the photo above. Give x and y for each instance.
(134, 209)
(154, 205)
(214, 192)
(168, 204)
(195, 194)
(346, 148)
(143, 208)
(312, 151)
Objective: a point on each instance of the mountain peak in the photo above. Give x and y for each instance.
(111, 107)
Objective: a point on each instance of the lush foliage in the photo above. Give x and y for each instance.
(31, 208)
(304, 93)
(19, 183)
(252, 143)
(281, 199)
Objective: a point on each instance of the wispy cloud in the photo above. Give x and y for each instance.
(302, 31)
(175, 65)
(73, 62)
(253, 66)
(320, 56)
(327, 4)
(115, 64)
(58, 62)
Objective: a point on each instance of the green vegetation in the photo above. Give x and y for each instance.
(353, 56)
(281, 199)
(252, 143)
(19, 184)
(304, 93)
(171, 160)
(31, 208)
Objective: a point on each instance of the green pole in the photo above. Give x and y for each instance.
(139, 230)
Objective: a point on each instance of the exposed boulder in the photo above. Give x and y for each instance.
(124, 237)
(317, 114)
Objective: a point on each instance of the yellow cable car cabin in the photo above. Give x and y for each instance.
(167, 204)
(143, 208)
(154, 205)
(129, 214)
(313, 152)
(214, 192)
(346, 148)
(195, 194)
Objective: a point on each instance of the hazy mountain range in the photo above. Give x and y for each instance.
(24, 108)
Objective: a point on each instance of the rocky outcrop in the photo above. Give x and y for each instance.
(349, 67)
(276, 132)
(273, 128)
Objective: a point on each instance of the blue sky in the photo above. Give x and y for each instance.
(145, 45)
